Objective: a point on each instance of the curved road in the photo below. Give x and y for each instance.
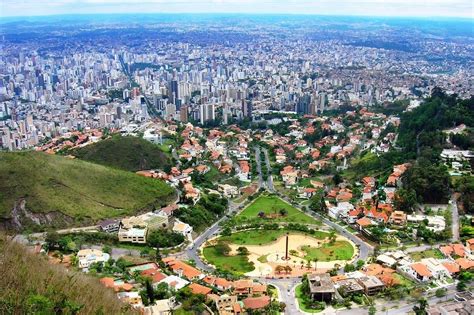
(284, 286)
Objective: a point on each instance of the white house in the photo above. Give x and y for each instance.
(437, 269)
(183, 228)
(87, 257)
(175, 282)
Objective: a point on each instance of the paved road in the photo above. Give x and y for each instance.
(201, 239)
(259, 167)
(269, 168)
(455, 223)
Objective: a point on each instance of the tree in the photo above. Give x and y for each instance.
(420, 309)
(222, 248)
(150, 293)
(405, 200)
(283, 212)
(243, 251)
(440, 292)
(288, 269)
(317, 203)
(226, 231)
(279, 269)
(315, 263)
(349, 268)
(372, 310)
(360, 264)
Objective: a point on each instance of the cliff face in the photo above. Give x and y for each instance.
(22, 218)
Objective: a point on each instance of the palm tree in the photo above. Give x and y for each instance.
(288, 269)
(308, 264)
(315, 263)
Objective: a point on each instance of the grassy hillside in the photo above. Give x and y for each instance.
(30, 285)
(82, 191)
(126, 153)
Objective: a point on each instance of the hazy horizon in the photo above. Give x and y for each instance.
(365, 8)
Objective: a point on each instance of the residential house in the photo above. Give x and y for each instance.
(196, 288)
(109, 226)
(398, 218)
(289, 175)
(220, 284)
(183, 228)
(348, 286)
(256, 303)
(182, 269)
(224, 303)
(436, 268)
(87, 257)
(419, 271)
(117, 285)
(228, 191)
(244, 171)
(465, 264)
(321, 287)
(161, 307)
(133, 298)
(453, 250)
(133, 230)
(168, 210)
(248, 287)
(371, 284)
(175, 282)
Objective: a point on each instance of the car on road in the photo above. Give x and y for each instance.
(463, 296)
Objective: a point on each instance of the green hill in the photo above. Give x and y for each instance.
(37, 189)
(31, 285)
(126, 153)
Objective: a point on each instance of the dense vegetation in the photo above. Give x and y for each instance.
(126, 153)
(59, 191)
(204, 212)
(421, 136)
(420, 132)
(31, 285)
(163, 238)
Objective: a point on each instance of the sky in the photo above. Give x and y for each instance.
(395, 8)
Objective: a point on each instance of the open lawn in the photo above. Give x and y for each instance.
(430, 253)
(271, 207)
(237, 264)
(404, 281)
(339, 250)
(261, 237)
(304, 301)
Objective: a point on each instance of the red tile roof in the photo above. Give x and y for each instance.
(421, 269)
(256, 302)
(196, 288)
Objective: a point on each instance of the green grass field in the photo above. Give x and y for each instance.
(404, 281)
(261, 237)
(272, 205)
(125, 153)
(430, 253)
(236, 264)
(303, 301)
(340, 250)
(82, 190)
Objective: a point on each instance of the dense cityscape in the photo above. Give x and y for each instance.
(237, 164)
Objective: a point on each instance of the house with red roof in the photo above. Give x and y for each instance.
(182, 269)
(256, 303)
(196, 288)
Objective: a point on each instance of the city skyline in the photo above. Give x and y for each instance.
(391, 8)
